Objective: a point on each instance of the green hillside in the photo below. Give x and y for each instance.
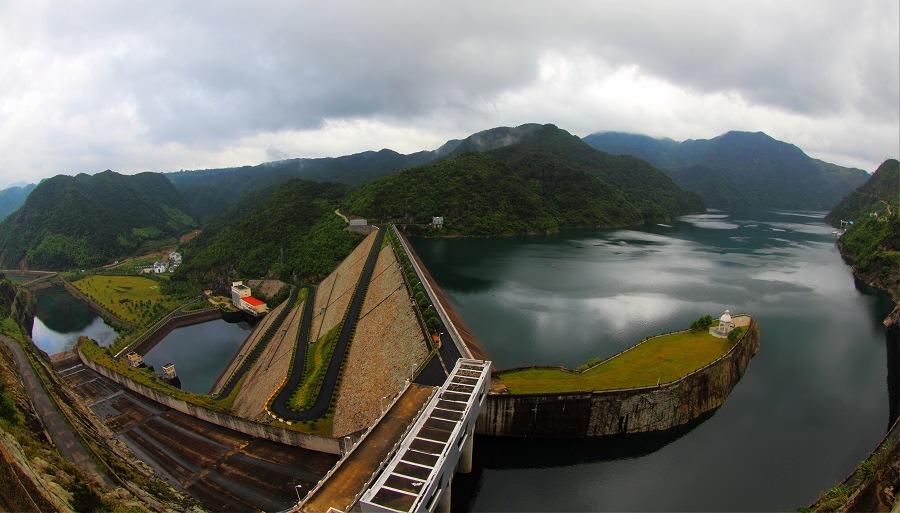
(293, 234)
(207, 193)
(528, 179)
(872, 242)
(879, 191)
(68, 222)
(741, 169)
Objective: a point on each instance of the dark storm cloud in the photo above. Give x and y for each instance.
(161, 80)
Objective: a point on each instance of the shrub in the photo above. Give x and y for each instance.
(8, 407)
(702, 323)
(735, 334)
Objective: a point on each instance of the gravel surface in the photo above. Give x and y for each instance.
(335, 291)
(387, 343)
(269, 371)
(247, 346)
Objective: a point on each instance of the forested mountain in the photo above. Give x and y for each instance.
(740, 169)
(881, 190)
(292, 234)
(532, 178)
(872, 242)
(87, 220)
(12, 198)
(208, 192)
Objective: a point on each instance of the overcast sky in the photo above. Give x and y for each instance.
(168, 85)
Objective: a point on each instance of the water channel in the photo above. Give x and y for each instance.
(199, 352)
(813, 403)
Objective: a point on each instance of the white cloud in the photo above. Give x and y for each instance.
(169, 85)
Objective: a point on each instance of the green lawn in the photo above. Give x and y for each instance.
(131, 298)
(658, 360)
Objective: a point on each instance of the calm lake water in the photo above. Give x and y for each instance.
(60, 319)
(200, 352)
(813, 403)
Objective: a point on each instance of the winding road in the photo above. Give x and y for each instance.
(323, 401)
(264, 341)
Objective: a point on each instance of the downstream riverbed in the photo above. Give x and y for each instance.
(813, 403)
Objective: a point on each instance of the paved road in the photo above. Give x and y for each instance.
(323, 401)
(264, 341)
(69, 444)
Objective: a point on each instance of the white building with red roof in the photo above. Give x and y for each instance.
(241, 298)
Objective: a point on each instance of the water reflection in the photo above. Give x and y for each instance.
(52, 342)
(200, 352)
(61, 318)
(810, 407)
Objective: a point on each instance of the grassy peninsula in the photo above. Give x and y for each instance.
(657, 360)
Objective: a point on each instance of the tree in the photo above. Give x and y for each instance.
(735, 334)
(703, 323)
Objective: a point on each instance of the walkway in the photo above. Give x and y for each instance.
(68, 443)
(320, 408)
(361, 466)
(456, 341)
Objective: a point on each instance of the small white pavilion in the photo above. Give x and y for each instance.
(725, 324)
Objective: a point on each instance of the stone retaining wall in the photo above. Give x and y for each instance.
(148, 341)
(609, 412)
(265, 431)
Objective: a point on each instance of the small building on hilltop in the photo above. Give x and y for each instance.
(241, 298)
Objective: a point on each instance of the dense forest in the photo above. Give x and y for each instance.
(740, 169)
(535, 178)
(81, 221)
(293, 234)
(207, 193)
(872, 242)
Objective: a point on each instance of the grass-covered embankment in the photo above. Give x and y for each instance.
(657, 360)
(133, 299)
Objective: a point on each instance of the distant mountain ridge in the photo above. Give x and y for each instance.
(527, 179)
(80, 221)
(740, 169)
(209, 192)
(12, 198)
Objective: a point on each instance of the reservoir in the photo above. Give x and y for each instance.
(200, 352)
(812, 405)
(60, 319)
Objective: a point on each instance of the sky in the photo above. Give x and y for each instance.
(169, 85)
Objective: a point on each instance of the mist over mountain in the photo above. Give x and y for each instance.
(740, 169)
(12, 198)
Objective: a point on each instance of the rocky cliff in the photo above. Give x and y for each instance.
(17, 303)
(610, 412)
